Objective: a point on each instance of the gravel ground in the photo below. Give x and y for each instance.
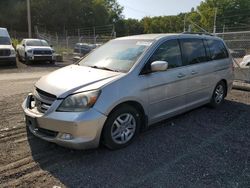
(202, 148)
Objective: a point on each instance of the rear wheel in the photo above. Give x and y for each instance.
(218, 95)
(121, 127)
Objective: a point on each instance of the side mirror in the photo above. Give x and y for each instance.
(23, 45)
(157, 66)
(51, 46)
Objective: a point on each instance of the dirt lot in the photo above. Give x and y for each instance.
(202, 148)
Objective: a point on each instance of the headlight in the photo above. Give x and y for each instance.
(79, 102)
(12, 52)
(30, 51)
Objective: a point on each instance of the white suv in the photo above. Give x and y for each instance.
(7, 52)
(35, 50)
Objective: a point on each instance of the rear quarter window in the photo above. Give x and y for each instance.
(217, 49)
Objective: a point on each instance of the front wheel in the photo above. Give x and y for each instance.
(52, 62)
(19, 57)
(26, 59)
(121, 127)
(218, 94)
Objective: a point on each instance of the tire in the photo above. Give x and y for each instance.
(52, 62)
(26, 60)
(121, 127)
(19, 57)
(218, 95)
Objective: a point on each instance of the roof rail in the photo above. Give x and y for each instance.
(198, 33)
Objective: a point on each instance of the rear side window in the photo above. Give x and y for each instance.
(193, 51)
(169, 52)
(217, 49)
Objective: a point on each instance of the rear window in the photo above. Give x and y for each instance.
(217, 49)
(193, 51)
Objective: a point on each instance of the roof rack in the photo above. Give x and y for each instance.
(198, 33)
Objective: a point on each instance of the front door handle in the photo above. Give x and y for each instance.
(180, 75)
(194, 72)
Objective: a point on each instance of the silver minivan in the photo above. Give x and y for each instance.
(126, 85)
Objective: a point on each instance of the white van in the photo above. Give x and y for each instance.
(7, 52)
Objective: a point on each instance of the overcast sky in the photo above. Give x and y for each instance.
(141, 8)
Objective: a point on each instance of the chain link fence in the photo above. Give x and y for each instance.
(65, 42)
(239, 45)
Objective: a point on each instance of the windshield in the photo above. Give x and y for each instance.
(36, 43)
(5, 41)
(116, 55)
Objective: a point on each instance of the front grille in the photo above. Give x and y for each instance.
(42, 52)
(5, 52)
(43, 100)
(42, 58)
(46, 132)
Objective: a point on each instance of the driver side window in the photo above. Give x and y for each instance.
(169, 52)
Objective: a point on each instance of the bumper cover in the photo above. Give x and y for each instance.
(41, 58)
(85, 128)
(4, 59)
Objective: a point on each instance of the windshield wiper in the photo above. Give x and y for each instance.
(104, 68)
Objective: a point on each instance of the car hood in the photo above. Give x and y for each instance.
(6, 47)
(38, 48)
(74, 78)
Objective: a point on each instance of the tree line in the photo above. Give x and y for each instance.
(58, 15)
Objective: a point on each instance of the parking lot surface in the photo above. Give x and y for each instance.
(202, 148)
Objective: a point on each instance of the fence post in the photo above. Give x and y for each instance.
(94, 35)
(67, 43)
(57, 44)
(79, 35)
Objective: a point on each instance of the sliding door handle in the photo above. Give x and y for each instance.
(181, 75)
(194, 72)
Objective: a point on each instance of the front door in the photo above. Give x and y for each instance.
(166, 89)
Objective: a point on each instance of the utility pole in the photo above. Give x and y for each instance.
(215, 16)
(29, 18)
(184, 28)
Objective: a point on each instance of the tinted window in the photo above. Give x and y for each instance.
(169, 52)
(193, 51)
(217, 49)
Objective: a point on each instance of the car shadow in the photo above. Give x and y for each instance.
(173, 153)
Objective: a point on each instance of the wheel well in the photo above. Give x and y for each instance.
(225, 82)
(139, 108)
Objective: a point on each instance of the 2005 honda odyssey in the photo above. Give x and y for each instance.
(127, 85)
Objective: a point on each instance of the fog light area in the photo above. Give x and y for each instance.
(66, 136)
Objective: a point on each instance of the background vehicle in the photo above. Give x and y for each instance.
(82, 49)
(35, 50)
(127, 85)
(7, 51)
(238, 53)
(245, 62)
